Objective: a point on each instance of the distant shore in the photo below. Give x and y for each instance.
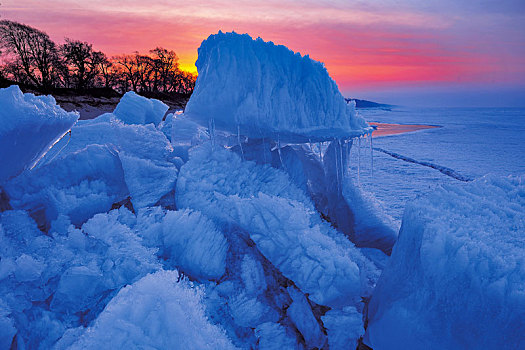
(386, 129)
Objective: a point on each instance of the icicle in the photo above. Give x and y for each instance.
(239, 140)
(359, 160)
(211, 130)
(336, 167)
(49, 148)
(321, 152)
(348, 154)
(371, 156)
(341, 158)
(279, 152)
(264, 151)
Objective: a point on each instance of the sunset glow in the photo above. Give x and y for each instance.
(366, 48)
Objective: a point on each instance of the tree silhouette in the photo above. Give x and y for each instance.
(31, 52)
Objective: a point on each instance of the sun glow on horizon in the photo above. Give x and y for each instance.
(363, 46)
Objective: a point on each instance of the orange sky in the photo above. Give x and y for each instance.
(366, 48)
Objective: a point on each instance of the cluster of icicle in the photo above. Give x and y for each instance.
(341, 161)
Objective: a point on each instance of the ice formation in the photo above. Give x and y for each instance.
(144, 231)
(262, 90)
(80, 185)
(147, 157)
(187, 240)
(135, 109)
(29, 126)
(281, 221)
(456, 276)
(50, 283)
(159, 311)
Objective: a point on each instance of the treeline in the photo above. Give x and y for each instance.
(31, 58)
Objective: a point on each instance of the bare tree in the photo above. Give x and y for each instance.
(82, 61)
(31, 51)
(105, 68)
(30, 57)
(129, 70)
(166, 64)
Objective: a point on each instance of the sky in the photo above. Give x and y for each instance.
(447, 53)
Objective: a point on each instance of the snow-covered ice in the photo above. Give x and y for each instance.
(456, 275)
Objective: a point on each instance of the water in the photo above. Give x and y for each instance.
(472, 142)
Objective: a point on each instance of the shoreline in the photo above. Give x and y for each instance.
(387, 129)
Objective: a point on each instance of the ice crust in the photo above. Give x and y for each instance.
(29, 126)
(456, 275)
(263, 90)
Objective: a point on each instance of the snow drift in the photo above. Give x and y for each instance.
(263, 90)
(456, 276)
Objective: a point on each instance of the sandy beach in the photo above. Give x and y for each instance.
(385, 129)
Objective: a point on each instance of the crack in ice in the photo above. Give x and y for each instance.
(444, 170)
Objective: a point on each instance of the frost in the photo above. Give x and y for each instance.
(193, 242)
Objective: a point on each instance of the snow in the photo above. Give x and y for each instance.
(263, 90)
(472, 142)
(136, 109)
(159, 311)
(456, 276)
(29, 126)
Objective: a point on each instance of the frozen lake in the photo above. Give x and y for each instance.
(472, 142)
